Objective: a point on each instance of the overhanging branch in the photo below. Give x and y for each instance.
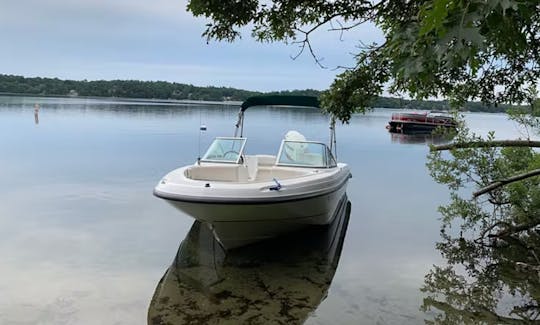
(487, 144)
(503, 182)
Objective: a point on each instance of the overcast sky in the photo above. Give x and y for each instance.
(155, 40)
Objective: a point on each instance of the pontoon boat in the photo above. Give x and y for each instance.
(424, 122)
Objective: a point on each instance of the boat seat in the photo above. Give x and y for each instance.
(265, 174)
(251, 162)
(233, 173)
(242, 174)
(266, 160)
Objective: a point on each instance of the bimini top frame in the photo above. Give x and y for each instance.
(294, 101)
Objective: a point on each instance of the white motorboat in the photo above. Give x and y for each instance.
(248, 198)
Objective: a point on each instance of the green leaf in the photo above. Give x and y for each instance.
(433, 15)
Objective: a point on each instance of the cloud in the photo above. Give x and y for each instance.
(89, 39)
(17, 11)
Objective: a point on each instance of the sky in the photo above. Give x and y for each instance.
(157, 40)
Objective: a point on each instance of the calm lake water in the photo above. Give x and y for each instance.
(84, 241)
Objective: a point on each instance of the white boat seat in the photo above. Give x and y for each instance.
(242, 174)
(252, 164)
(220, 173)
(265, 174)
(266, 160)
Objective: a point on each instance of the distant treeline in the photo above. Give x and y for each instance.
(118, 88)
(173, 90)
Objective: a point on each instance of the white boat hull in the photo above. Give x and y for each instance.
(240, 213)
(239, 225)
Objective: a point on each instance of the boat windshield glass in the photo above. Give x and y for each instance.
(226, 150)
(305, 154)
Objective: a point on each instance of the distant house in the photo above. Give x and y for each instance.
(73, 93)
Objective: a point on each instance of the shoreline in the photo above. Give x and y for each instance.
(187, 102)
(180, 102)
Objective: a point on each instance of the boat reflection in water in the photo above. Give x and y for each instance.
(421, 138)
(281, 280)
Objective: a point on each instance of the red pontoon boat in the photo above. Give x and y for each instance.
(420, 122)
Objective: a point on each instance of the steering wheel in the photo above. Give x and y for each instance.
(231, 152)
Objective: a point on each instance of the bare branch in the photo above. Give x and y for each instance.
(329, 19)
(479, 313)
(303, 45)
(490, 228)
(511, 230)
(341, 67)
(343, 28)
(496, 185)
(487, 144)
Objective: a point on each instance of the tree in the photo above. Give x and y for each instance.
(492, 242)
(438, 48)
(459, 50)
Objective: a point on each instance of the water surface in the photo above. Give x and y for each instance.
(83, 241)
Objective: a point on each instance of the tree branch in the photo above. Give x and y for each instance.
(503, 182)
(487, 144)
(480, 313)
(303, 43)
(343, 28)
(490, 228)
(326, 20)
(510, 230)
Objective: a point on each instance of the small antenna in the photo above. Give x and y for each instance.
(333, 142)
(202, 128)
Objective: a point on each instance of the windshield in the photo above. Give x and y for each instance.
(226, 150)
(305, 154)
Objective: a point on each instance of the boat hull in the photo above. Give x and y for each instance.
(236, 225)
(241, 211)
(401, 126)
